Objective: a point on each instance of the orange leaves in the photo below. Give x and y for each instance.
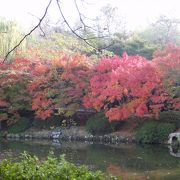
(117, 113)
(141, 110)
(65, 76)
(122, 87)
(40, 69)
(167, 63)
(125, 86)
(44, 114)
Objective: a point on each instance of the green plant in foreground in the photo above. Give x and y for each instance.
(31, 168)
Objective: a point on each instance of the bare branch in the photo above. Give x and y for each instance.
(38, 25)
(81, 18)
(74, 32)
(99, 50)
(86, 40)
(80, 15)
(78, 28)
(43, 33)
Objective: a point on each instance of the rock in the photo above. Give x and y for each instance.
(56, 134)
(16, 136)
(26, 136)
(174, 138)
(8, 136)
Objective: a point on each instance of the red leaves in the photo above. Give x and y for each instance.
(141, 110)
(44, 114)
(117, 113)
(176, 103)
(40, 69)
(58, 83)
(3, 103)
(125, 86)
(40, 101)
(122, 87)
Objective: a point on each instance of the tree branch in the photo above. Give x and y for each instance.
(99, 50)
(38, 25)
(43, 33)
(81, 18)
(74, 32)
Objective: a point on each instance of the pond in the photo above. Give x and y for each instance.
(129, 161)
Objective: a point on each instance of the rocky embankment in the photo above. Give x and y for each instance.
(72, 134)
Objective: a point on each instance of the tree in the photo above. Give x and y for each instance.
(9, 33)
(139, 46)
(167, 63)
(163, 31)
(125, 86)
(58, 84)
(14, 97)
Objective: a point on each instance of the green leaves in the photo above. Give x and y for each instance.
(31, 168)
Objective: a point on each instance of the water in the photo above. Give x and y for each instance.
(128, 161)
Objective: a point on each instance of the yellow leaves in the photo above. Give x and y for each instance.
(3, 116)
(67, 111)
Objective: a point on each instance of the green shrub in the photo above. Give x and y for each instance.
(99, 124)
(48, 123)
(20, 126)
(30, 167)
(171, 117)
(154, 132)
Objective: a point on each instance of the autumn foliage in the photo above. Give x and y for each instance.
(126, 86)
(167, 62)
(58, 84)
(120, 86)
(14, 96)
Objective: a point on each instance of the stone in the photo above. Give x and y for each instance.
(56, 134)
(174, 138)
(26, 136)
(16, 136)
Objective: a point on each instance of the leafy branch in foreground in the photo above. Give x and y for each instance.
(30, 167)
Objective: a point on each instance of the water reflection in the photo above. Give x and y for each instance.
(174, 150)
(129, 161)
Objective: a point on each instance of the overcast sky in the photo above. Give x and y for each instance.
(137, 13)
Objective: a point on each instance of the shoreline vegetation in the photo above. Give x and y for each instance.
(75, 134)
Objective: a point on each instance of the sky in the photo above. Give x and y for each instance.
(136, 13)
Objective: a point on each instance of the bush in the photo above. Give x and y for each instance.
(20, 126)
(48, 123)
(154, 132)
(170, 117)
(30, 167)
(99, 124)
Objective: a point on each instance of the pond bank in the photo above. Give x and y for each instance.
(73, 134)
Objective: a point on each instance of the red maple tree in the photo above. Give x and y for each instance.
(126, 86)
